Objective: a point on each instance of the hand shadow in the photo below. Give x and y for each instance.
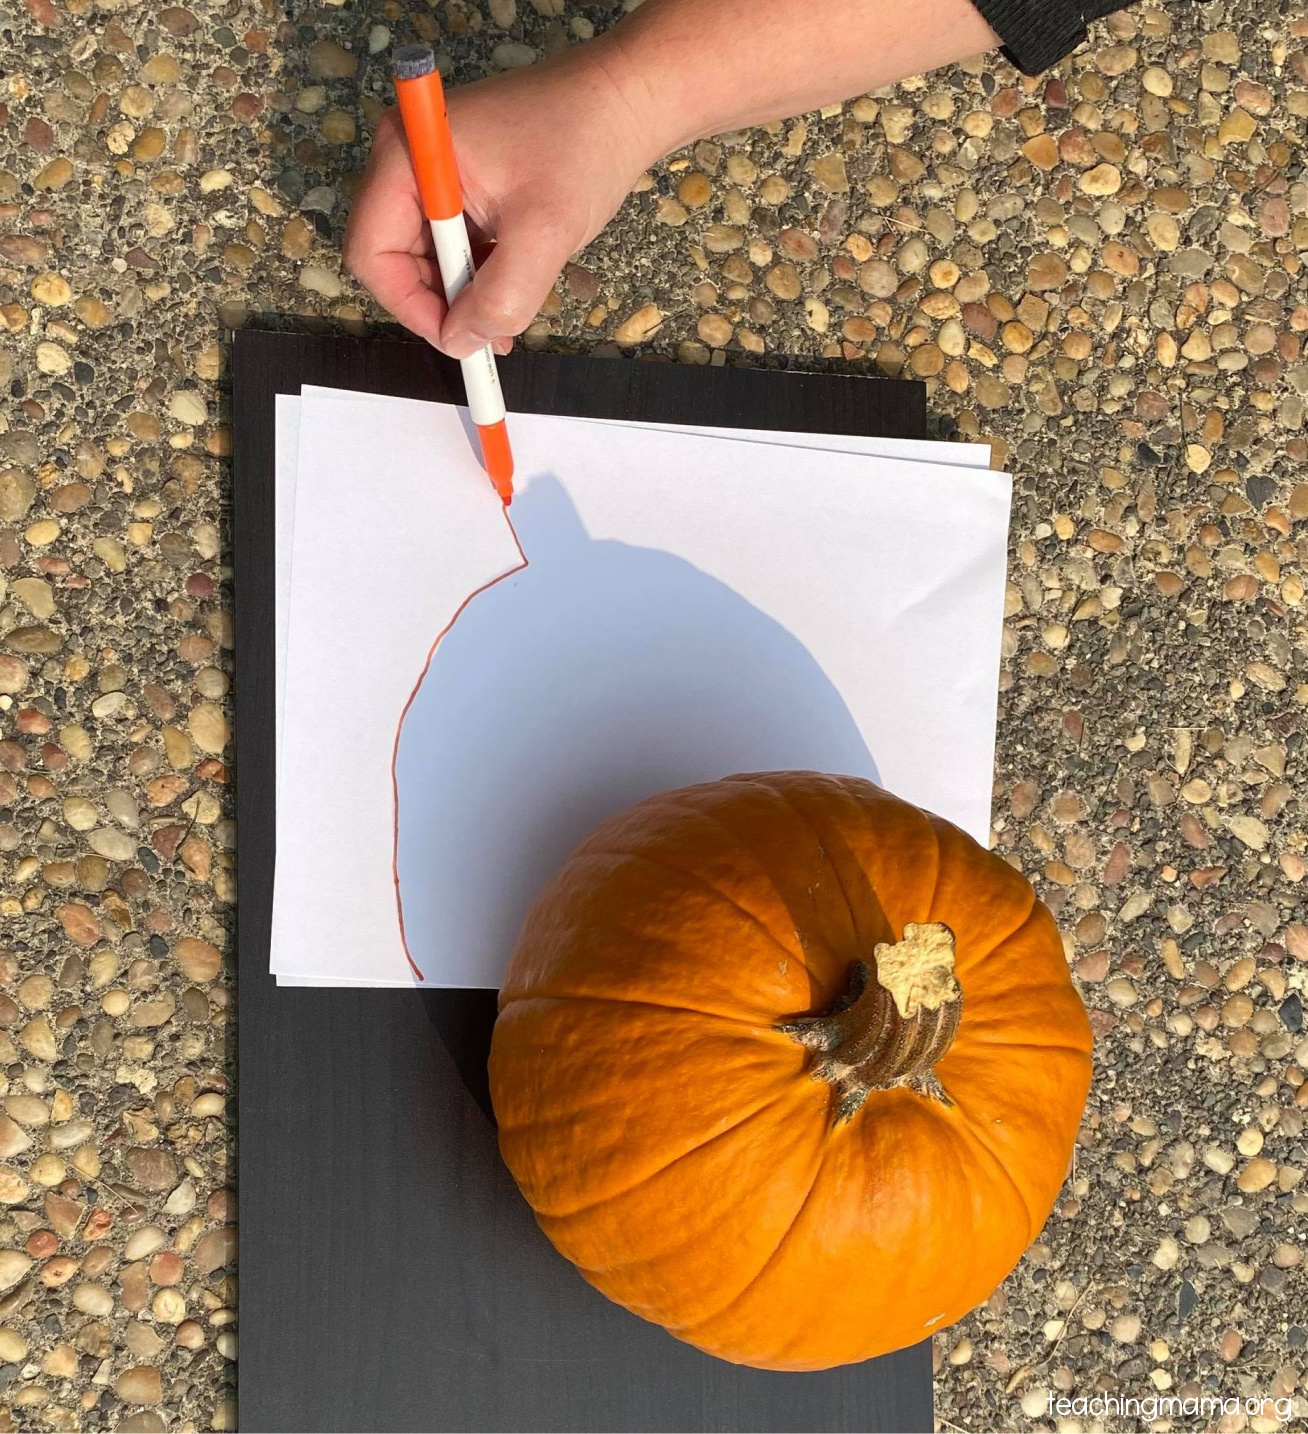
(601, 674)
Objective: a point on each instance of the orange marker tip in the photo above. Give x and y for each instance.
(497, 457)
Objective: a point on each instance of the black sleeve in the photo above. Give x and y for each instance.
(1038, 33)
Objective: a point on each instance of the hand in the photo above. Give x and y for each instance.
(546, 156)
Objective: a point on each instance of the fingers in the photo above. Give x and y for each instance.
(387, 241)
(509, 288)
(406, 286)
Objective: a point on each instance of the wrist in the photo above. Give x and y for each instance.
(646, 108)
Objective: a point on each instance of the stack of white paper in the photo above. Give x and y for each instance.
(464, 693)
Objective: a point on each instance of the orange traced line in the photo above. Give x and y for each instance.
(395, 750)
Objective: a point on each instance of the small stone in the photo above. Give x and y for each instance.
(1257, 1175)
(216, 1250)
(112, 844)
(200, 961)
(93, 1299)
(168, 1268)
(1125, 1328)
(784, 281)
(190, 1335)
(143, 1242)
(55, 175)
(14, 1264)
(800, 246)
(79, 923)
(297, 238)
(1035, 1402)
(1121, 991)
(1164, 232)
(1230, 1346)
(51, 289)
(1042, 151)
(182, 1200)
(338, 127)
(1103, 179)
(829, 171)
(715, 330)
(36, 595)
(140, 1384)
(1093, 967)
(1223, 46)
(639, 327)
(513, 55)
(178, 21)
(1197, 458)
(169, 1306)
(150, 1168)
(1167, 1255)
(1116, 60)
(320, 281)
(723, 238)
(694, 190)
(1252, 832)
(1046, 271)
(53, 358)
(321, 199)
(17, 491)
(1237, 128)
(143, 1341)
(208, 727)
(912, 256)
(330, 61)
(38, 1039)
(14, 674)
(992, 392)
(13, 1138)
(188, 406)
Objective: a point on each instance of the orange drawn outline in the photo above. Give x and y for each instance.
(399, 726)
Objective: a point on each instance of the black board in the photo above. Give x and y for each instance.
(392, 1278)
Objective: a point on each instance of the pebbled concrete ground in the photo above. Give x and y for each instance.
(1102, 270)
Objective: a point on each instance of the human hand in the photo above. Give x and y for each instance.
(546, 155)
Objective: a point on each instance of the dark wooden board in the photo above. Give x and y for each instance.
(392, 1278)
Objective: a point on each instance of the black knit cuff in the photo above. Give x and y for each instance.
(1036, 33)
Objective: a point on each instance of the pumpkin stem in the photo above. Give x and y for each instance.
(894, 1025)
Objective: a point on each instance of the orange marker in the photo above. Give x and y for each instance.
(426, 125)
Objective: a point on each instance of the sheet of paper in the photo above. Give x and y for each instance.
(694, 605)
(287, 454)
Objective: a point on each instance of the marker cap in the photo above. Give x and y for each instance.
(426, 126)
(412, 62)
(497, 456)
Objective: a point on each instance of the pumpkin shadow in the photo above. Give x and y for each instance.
(600, 674)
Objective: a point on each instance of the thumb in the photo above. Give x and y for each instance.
(509, 288)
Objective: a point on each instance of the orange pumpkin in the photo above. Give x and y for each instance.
(789, 1067)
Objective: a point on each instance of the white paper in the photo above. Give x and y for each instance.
(695, 605)
(291, 814)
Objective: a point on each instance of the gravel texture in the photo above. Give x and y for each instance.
(1101, 270)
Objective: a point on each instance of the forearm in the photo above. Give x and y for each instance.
(697, 67)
